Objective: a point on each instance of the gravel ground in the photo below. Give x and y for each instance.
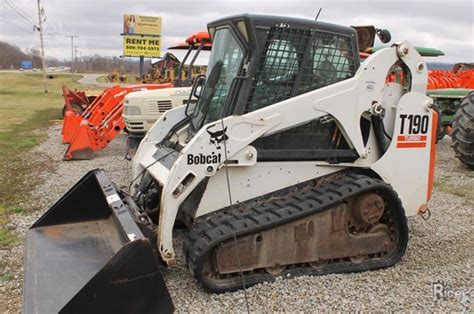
(440, 249)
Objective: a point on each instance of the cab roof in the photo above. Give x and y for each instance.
(268, 21)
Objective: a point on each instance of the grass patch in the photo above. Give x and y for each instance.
(15, 183)
(10, 210)
(103, 79)
(6, 277)
(24, 109)
(22, 95)
(7, 238)
(21, 137)
(444, 184)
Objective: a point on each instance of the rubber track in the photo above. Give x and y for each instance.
(252, 217)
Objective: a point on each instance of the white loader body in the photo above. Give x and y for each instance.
(409, 120)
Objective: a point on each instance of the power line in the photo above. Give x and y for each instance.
(11, 23)
(25, 19)
(54, 34)
(19, 12)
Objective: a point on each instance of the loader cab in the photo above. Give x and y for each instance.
(258, 60)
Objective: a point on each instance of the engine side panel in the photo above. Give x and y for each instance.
(407, 163)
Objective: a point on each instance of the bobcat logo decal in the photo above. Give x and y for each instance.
(218, 137)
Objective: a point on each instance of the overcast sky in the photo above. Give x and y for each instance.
(443, 24)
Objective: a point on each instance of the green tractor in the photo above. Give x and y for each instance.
(463, 130)
(453, 95)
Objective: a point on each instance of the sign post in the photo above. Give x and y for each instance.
(141, 38)
(142, 68)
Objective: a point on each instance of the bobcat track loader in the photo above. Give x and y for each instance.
(296, 160)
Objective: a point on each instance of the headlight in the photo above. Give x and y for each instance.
(132, 110)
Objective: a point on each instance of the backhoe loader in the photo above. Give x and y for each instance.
(142, 109)
(295, 160)
(93, 129)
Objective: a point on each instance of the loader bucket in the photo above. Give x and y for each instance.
(81, 146)
(88, 255)
(71, 121)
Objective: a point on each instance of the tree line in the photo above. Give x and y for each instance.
(11, 57)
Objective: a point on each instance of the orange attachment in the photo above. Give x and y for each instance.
(438, 79)
(71, 113)
(72, 119)
(199, 37)
(194, 40)
(74, 97)
(100, 123)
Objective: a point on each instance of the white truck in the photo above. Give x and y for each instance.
(142, 109)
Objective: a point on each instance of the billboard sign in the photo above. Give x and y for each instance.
(26, 64)
(141, 25)
(146, 46)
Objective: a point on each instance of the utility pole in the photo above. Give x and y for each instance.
(75, 58)
(40, 28)
(142, 68)
(81, 62)
(72, 55)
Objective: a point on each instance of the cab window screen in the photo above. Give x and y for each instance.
(331, 61)
(279, 66)
(297, 61)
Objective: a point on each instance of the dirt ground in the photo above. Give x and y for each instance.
(440, 249)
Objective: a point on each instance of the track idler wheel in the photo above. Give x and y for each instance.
(275, 270)
(319, 264)
(368, 208)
